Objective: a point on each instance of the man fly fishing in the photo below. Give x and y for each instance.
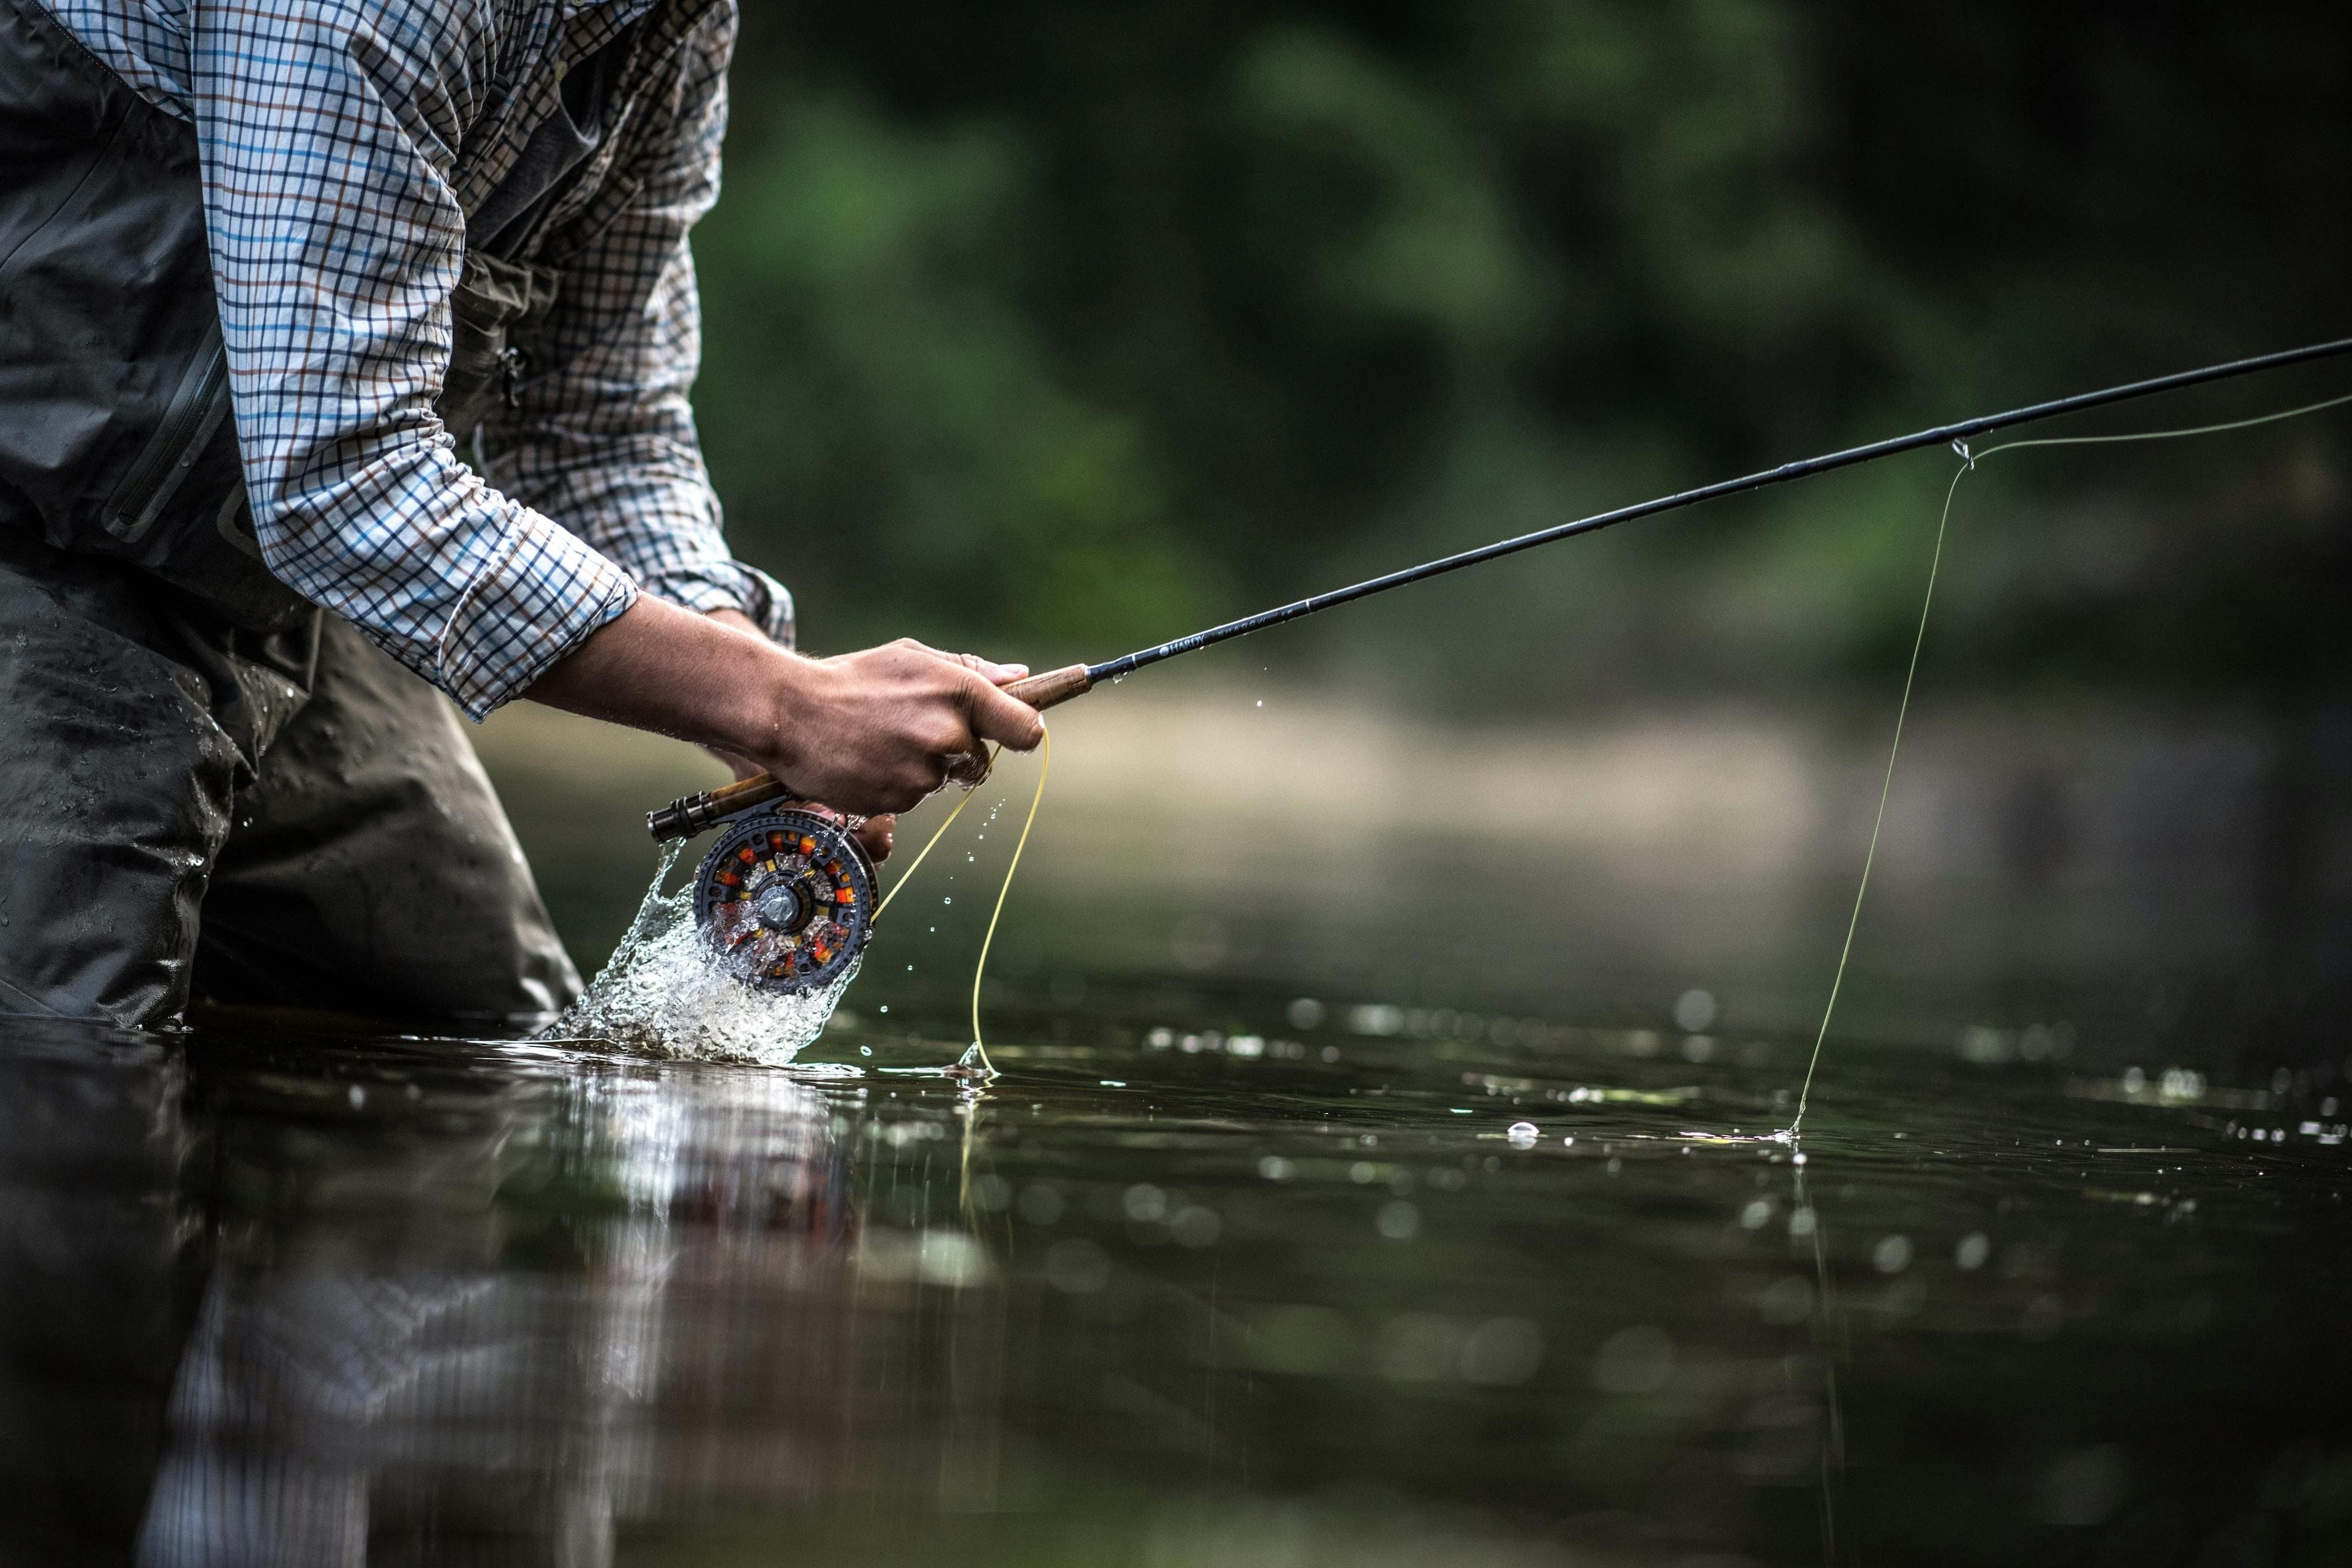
(344, 354)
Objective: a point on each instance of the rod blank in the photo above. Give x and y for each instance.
(1940, 436)
(693, 813)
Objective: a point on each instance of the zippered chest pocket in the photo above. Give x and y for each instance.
(492, 314)
(190, 419)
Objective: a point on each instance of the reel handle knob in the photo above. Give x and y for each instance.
(689, 815)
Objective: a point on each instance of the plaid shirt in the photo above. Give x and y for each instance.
(344, 142)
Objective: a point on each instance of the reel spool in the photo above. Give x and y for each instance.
(785, 899)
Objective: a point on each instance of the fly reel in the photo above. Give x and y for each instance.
(785, 899)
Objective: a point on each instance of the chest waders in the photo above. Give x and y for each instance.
(212, 789)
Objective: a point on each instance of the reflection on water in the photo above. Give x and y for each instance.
(1348, 1288)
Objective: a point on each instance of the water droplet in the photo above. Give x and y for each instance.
(1523, 1134)
(947, 900)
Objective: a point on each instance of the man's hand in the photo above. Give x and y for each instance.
(875, 832)
(870, 734)
(895, 723)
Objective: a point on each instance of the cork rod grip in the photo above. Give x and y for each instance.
(684, 817)
(1042, 691)
(747, 792)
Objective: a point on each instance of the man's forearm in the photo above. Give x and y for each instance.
(867, 732)
(691, 676)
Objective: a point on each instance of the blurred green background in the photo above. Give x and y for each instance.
(1063, 329)
(1056, 331)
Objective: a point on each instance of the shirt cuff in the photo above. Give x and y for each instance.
(730, 585)
(540, 595)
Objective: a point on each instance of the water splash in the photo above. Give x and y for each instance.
(664, 994)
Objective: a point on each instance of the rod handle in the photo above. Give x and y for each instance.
(689, 815)
(1042, 691)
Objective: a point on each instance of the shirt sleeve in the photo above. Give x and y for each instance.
(330, 132)
(603, 436)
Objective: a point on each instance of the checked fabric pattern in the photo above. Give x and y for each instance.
(344, 142)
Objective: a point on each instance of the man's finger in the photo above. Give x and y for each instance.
(875, 832)
(996, 717)
(995, 674)
(988, 670)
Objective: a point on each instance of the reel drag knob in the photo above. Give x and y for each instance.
(778, 907)
(784, 899)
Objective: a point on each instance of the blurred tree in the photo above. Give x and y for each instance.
(1063, 329)
(889, 418)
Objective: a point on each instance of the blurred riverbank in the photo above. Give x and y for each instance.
(2138, 883)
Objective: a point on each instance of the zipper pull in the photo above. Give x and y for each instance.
(516, 363)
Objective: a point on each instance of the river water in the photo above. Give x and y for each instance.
(1325, 1285)
(1379, 1184)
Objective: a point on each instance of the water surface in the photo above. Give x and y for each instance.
(1208, 1277)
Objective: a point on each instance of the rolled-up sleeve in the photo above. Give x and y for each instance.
(603, 436)
(329, 131)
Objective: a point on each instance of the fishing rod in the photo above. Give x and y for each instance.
(689, 816)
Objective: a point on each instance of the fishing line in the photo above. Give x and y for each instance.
(980, 970)
(1886, 785)
(794, 920)
(1045, 761)
(1969, 461)
(917, 864)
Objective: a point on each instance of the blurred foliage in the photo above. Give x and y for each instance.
(1059, 328)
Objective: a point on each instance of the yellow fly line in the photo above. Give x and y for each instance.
(980, 970)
